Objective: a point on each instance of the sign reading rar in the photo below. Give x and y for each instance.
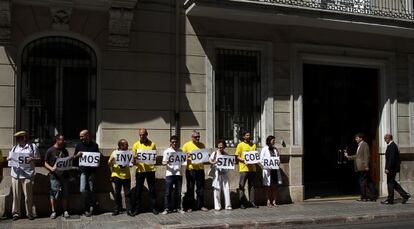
(123, 158)
(251, 157)
(271, 162)
(19, 160)
(147, 156)
(177, 158)
(90, 159)
(225, 162)
(199, 156)
(63, 164)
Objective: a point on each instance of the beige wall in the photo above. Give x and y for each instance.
(7, 99)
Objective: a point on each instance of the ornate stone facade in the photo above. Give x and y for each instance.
(121, 14)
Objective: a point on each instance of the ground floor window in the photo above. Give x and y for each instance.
(58, 88)
(237, 94)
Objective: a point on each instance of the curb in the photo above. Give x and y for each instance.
(300, 221)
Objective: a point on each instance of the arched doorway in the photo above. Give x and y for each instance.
(57, 88)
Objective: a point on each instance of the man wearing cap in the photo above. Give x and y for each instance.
(24, 155)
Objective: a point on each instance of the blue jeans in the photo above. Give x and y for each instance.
(87, 182)
(171, 181)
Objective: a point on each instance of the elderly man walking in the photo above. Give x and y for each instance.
(392, 167)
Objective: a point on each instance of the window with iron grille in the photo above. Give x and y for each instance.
(237, 94)
(58, 88)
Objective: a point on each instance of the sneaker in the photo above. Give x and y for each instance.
(229, 208)
(53, 215)
(16, 217)
(130, 213)
(217, 209)
(189, 210)
(181, 211)
(66, 214)
(114, 213)
(88, 214)
(242, 207)
(155, 212)
(204, 209)
(165, 212)
(30, 217)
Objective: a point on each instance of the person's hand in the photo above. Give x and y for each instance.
(386, 171)
(79, 154)
(346, 154)
(30, 159)
(366, 169)
(53, 169)
(278, 162)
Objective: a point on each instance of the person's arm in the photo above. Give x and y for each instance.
(213, 158)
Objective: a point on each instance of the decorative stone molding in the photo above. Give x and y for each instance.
(121, 14)
(5, 25)
(61, 11)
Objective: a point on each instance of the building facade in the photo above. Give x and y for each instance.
(311, 72)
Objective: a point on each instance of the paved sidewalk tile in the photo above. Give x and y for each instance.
(293, 214)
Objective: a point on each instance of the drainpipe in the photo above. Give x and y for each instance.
(177, 69)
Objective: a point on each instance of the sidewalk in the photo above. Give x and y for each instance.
(316, 212)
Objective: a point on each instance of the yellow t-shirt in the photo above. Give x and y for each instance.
(188, 147)
(141, 167)
(119, 171)
(241, 148)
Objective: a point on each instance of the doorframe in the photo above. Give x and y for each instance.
(347, 57)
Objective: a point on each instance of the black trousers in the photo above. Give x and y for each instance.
(367, 188)
(392, 185)
(250, 177)
(119, 184)
(195, 178)
(140, 178)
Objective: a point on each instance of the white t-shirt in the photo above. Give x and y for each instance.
(24, 172)
(171, 169)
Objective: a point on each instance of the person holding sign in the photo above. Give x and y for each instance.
(87, 178)
(59, 179)
(270, 161)
(247, 171)
(121, 176)
(220, 178)
(194, 173)
(21, 160)
(173, 158)
(145, 149)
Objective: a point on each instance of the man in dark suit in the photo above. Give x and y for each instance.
(361, 165)
(392, 167)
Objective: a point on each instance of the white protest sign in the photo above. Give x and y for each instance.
(251, 157)
(123, 158)
(90, 159)
(64, 163)
(13, 160)
(226, 162)
(148, 157)
(19, 160)
(177, 158)
(199, 156)
(271, 162)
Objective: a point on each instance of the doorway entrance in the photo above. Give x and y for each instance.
(338, 102)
